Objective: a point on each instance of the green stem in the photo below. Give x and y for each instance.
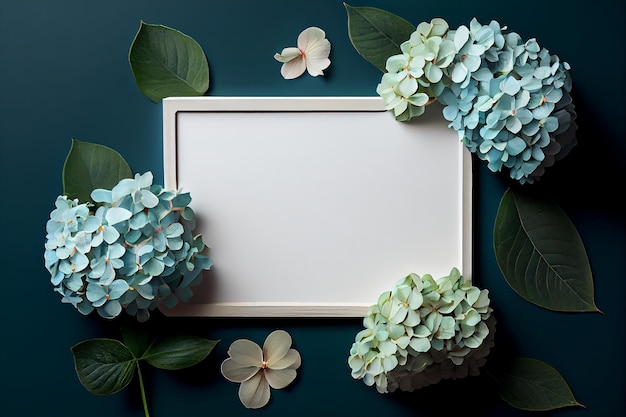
(143, 392)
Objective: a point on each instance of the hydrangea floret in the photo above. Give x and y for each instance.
(131, 250)
(422, 331)
(508, 99)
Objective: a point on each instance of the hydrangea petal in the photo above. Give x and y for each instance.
(117, 288)
(74, 282)
(459, 72)
(95, 292)
(389, 363)
(174, 229)
(79, 262)
(148, 199)
(146, 291)
(407, 87)
(461, 36)
(395, 63)
(144, 180)
(510, 86)
(543, 111)
(472, 62)
(91, 224)
(513, 124)
(419, 99)
(100, 195)
(123, 188)
(115, 215)
(110, 309)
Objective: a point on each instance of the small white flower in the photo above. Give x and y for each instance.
(311, 54)
(257, 370)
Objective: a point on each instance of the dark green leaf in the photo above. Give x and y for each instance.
(103, 366)
(178, 352)
(89, 166)
(167, 63)
(541, 255)
(529, 384)
(377, 34)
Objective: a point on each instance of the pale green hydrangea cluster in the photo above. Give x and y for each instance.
(414, 77)
(423, 331)
(133, 252)
(508, 99)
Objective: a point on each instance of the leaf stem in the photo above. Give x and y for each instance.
(143, 392)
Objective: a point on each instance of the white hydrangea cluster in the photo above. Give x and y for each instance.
(423, 331)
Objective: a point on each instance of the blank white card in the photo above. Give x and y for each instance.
(315, 206)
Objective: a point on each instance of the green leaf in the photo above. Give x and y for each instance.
(529, 384)
(167, 63)
(377, 34)
(89, 166)
(103, 366)
(178, 352)
(541, 255)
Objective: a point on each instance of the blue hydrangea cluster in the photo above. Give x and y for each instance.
(423, 331)
(508, 99)
(130, 251)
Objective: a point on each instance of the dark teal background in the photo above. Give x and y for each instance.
(64, 74)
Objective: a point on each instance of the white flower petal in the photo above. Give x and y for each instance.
(236, 372)
(288, 54)
(255, 392)
(276, 346)
(309, 36)
(293, 69)
(280, 378)
(316, 66)
(246, 352)
(290, 360)
(317, 50)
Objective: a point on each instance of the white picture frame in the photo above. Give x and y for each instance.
(314, 206)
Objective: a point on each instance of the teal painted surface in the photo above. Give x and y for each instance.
(64, 74)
